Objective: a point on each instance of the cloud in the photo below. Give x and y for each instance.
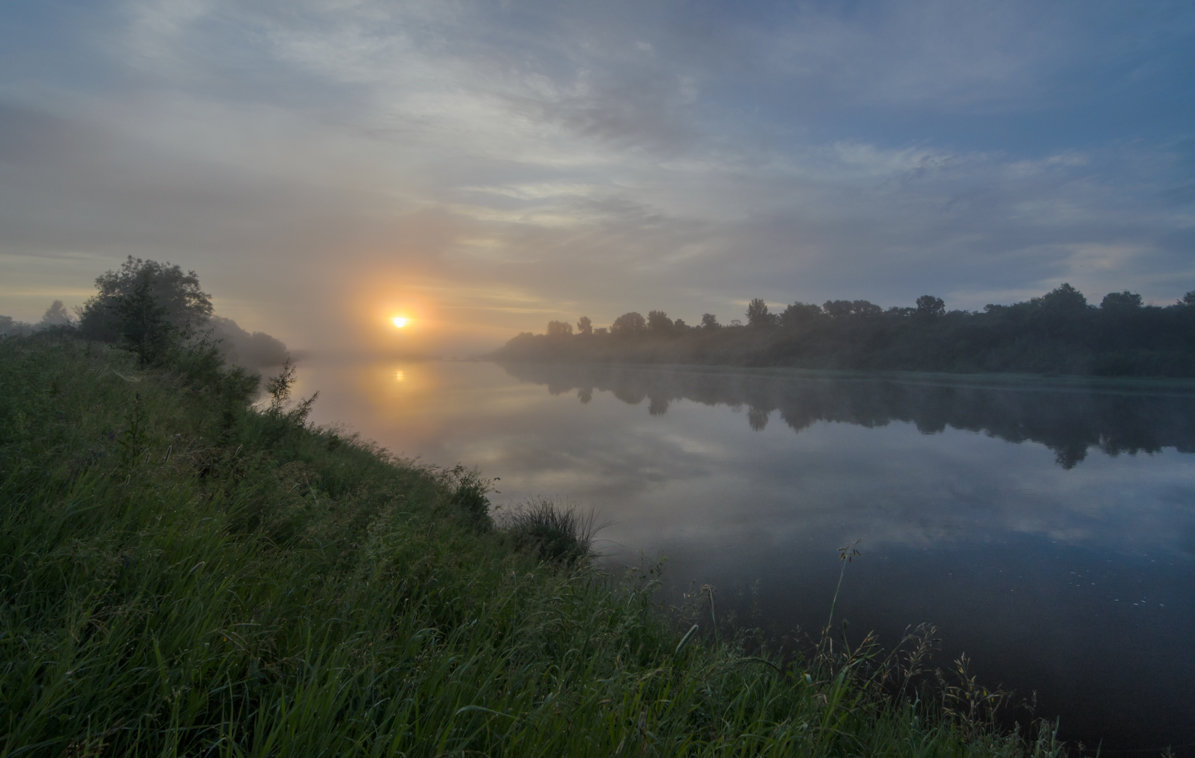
(605, 158)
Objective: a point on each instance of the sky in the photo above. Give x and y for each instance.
(484, 167)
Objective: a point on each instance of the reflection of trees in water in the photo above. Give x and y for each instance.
(1068, 421)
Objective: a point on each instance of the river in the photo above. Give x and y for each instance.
(1045, 528)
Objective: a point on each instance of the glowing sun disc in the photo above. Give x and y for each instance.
(399, 321)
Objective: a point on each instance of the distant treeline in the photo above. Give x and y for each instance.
(1057, 333)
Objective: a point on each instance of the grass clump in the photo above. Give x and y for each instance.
(551, 534)
(183, 575)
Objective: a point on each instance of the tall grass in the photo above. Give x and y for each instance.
(181, 575)
(551, 533)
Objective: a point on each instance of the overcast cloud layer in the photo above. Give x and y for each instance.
(486, 166)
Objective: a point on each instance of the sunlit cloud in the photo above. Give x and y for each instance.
(604, 158)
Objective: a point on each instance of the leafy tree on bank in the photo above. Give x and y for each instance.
(838, 308)
(560, 329)
(758, 315)
(629, 325)
(658, 322)
(584, 326)
(800, 314)
(149, 306)
(865, 308)
(930, 307)
(1121, 302)
(56, 316)
(1063, 301)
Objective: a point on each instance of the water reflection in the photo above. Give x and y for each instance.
(1069, 421)
(1073, 580)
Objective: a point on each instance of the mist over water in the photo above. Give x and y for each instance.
(1048, 531)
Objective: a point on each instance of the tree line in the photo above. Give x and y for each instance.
(155, 309)
(1056, 333)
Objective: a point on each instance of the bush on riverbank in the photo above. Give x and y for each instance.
(551, 533)
(184, 575)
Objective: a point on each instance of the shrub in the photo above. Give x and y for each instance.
(558, 536)
(468, 495)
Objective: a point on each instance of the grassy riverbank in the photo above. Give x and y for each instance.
(183, 575)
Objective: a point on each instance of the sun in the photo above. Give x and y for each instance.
(399, 321)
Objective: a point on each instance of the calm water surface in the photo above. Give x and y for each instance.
(1048, 532)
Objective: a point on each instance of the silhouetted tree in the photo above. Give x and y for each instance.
(757, 313)
(838, 308)
(584, 326)
(559, 329)
(629, 324)
(865, 308)
(799, 314)
(147, 304)
(1120, 302)
(658, 322)
(929, 307)
(1063, 300)
(56, 315)
(709, 321)
(1188, 299)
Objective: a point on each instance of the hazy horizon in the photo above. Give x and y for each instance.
(483, 168)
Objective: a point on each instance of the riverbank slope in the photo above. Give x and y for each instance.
(184, 574)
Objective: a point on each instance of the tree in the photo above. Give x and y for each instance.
(709, 321)
(1064, 300)
(838, 308)
(658, 322)
(560, 329)
(799, 314)
(584, 326)
(1121, 302)
(629, 324)
(148, 305)
(1188, 299)
(930, 307)
(865, 308)
(56, 315)
(758, 315)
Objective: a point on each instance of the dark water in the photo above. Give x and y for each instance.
(1046, 530)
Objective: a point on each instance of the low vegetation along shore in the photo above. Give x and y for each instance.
(185, 573)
